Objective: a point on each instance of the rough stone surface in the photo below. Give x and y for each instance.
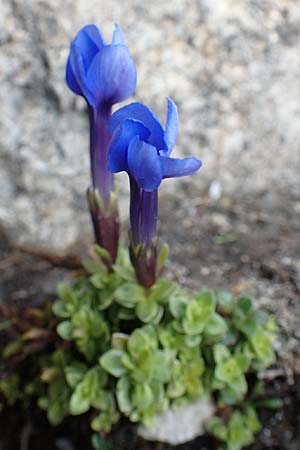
(181, 425)
(232, 66)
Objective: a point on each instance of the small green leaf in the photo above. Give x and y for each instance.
(147, 310)
(215, 329)
(111, 361)
(142, 396)
(244, 306)
(74, 373)
(224, 301)
(129, 294)
(125, 272)
(177, 304)
(102, 252)
(98, 280)
(65, 330)
(270, 403)
(94, 267)
(80, 400)
(163, 361)
(123, 392)
(12, 348)
(162, 257)
(251, 420)
(217, 428)
(142, 340)
(162, 290)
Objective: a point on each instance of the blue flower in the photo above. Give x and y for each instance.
(101, 73)
(141, 147)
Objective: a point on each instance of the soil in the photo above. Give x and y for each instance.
(251, 246)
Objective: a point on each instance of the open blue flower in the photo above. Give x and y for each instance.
(141, 147)
(101, 73)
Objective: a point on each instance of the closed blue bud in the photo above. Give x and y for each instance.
(141, 147)
(101, 73)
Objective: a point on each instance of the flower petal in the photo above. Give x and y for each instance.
(140, 112)
(118, 37)
(144, 164)
(112, 74)
(76, 76)
(130, 128)
(171, 125)
(89, 41)
(175, 167)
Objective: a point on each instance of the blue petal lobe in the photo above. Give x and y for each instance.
(175, 167)
(144, 164)
(171, 126)
(76, 77)
(89, 41)
(112, 74)
(140, 112)
(71, 79)
(130, 128)
(118, 37)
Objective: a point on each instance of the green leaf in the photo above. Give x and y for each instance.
(103, 400)
(198, 312)
(106, 298)
(262, 346)
(251, 420)
(102, 252)
(162, 290)
(225, 301)
(94, 267)
(123, 391)
(129, 294)
(163, 361)
(142, 340)
(215, 329)
(229, 372)
(68, 303)
(177, 304)
(87, 390)
(270, 403)
(142, 396)
(80, 400)
(75, 372)
(12, 347)
(125, 272)
(238, 434)
(65, 330)
(111, 361)
(217, 428)
(162, 257)
(244, 306)
(98, 280)
(147, 310)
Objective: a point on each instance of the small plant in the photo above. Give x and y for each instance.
(122, 340)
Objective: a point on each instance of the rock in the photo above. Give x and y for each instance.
(232, 67)
(181, 425)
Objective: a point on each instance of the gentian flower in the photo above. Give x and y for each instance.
(141, 147)
(104, 74)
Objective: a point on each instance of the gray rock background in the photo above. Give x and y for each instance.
(232, 66)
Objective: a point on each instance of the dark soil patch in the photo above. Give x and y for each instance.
(251, 247)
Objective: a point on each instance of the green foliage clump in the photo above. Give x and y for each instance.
(120, 348)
